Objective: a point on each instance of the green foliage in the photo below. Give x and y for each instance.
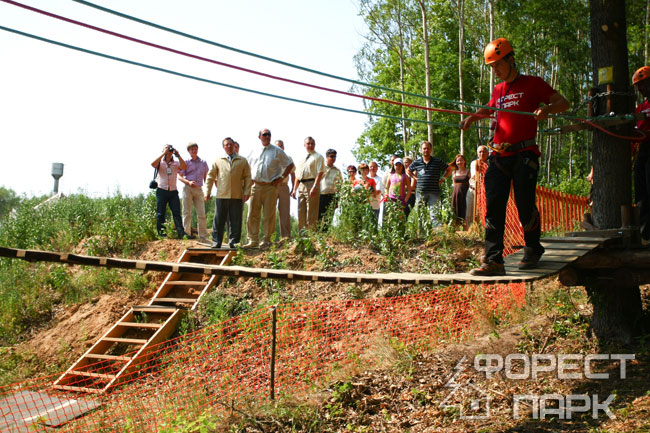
(8, 201)
(216, 307)
(115, 225)
(551, 40)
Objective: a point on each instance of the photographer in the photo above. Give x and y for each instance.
(166, 192)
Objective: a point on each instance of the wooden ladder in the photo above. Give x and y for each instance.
(116, 352)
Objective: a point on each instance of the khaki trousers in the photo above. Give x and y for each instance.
(194, 196)
(284, 210)
(307, 206)
(264, 198)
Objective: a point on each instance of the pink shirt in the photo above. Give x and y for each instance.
(167, 175)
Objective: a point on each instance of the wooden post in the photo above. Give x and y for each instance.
(274, 320)
(610, 105)
(590, 104)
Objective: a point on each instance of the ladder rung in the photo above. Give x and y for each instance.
(91, 374)
(140, 325)
(185, 283)
(184, 300)
(154, 309)
(125, 340)
(77, 389)
(111, 357)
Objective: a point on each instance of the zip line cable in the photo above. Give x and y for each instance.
(291, 65)
(153, 45)
(239, 68)
(302, 68)
(205, 80)
(270, 59)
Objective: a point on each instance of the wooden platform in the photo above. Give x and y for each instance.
(560, 251)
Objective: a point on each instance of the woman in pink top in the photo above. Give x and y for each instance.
(399, 184)
(166, 191)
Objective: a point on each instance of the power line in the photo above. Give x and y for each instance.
(302, 68)
(239, 68)
(205, 80)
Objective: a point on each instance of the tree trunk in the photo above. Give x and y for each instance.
(612, 165)
(645, 44)
(427, 70)
(461, 47)
(616, 311)
(401, 75)
(491, 3)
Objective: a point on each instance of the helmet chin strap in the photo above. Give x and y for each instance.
(511, 68)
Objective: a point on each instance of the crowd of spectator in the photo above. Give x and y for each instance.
(268, 178)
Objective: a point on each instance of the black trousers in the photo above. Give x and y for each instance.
(325, 201)
(521, 171)
(164, 198)
(642, 187)
(227, 209)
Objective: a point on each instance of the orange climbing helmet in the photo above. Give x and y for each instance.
(641, 74)
(497, 50)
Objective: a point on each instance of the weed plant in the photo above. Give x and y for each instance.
(116, 225)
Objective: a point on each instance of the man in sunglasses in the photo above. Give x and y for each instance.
(269, 167)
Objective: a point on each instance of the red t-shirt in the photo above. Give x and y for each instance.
(645, 123)
(370, 183)
(525, 93)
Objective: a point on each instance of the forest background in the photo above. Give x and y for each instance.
(435, 48)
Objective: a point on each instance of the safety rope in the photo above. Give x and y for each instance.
(230, 86)
(228, 65)
(375, 99)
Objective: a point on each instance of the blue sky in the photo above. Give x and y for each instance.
(106, 121)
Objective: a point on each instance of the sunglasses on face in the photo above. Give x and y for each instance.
(266, 134)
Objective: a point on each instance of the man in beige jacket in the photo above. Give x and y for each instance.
(232, 176)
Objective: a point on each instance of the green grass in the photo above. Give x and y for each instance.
(115, 225)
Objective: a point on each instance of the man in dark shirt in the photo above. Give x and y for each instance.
(425, 172)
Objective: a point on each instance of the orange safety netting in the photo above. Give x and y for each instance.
(559, 212)
(294, 346)
(299, 346)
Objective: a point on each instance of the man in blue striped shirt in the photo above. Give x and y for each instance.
(428, 173)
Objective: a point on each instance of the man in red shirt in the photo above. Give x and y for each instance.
(515, 155)
(641, 79)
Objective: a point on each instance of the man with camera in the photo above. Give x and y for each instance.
(166, 192)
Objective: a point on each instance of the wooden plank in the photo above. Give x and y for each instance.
(78, 389)
(183, 300)
(186, 283)
(109, 357)
(154, 309)
(571, 239)
(91, 374)
(140, 325)
(569, 246)
(125, 340)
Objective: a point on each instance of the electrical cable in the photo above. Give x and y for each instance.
(239, 68)
(153, 45)
(205, 80)
(270, 59)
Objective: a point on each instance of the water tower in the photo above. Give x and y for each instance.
(57, 172)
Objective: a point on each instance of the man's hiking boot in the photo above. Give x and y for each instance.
(530, 260)
(489, 269)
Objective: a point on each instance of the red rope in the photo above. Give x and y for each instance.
(239, 68)
(288, 80)
(642, 136)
